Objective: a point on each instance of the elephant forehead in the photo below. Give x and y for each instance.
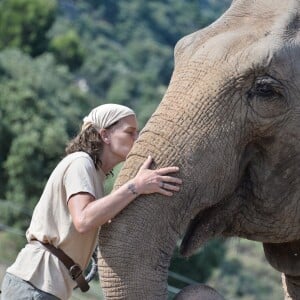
(269, 27)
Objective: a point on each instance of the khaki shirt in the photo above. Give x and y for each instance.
(51, 222)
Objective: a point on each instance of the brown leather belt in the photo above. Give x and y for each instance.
(73, 268)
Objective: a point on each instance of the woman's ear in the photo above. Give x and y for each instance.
(104, 135)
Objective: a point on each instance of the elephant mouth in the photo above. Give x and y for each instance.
(214, 221)
(206, 225)
(218, 220)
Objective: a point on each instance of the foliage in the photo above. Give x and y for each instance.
(24, 24)
(199, 267)
(10, 244)
(40, 107)
(245, 274)
(67, 49)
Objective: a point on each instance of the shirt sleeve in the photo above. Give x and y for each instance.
(78, 177)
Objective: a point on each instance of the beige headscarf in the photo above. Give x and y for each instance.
(105, 115)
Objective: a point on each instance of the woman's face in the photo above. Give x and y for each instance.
(122, 136)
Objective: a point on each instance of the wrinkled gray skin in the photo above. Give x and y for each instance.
(198, 292)
(230, 120)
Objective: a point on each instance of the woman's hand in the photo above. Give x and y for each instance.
(156, 181)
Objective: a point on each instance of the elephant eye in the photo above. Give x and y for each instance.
(264, 90)
(265, 87)
(267, 97)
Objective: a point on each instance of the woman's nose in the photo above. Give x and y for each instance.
(136, 135)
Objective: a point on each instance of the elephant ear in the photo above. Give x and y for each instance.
(284, 257)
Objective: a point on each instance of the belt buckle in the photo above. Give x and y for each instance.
(75, 271)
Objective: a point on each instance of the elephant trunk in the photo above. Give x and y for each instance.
(285, 258)
(136, 247)
(126, 274)
(291, 286)
(137, 267)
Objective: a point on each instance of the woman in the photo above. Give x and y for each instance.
(68, 218)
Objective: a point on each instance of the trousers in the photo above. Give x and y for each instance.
(15, 288)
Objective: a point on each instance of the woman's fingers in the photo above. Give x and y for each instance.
(162, 171)
(165, 192)
(170, 187)
(157, 181)
(167, 170)
(146, 164)
(171, 179)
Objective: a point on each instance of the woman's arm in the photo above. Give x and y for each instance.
(88, 214)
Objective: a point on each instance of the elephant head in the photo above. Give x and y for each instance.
(230, 120)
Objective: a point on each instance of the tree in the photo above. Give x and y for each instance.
(67, 49)
(40, 108)
(24, 24)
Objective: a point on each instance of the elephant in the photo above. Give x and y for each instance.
(230, 120)
(198, 292)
